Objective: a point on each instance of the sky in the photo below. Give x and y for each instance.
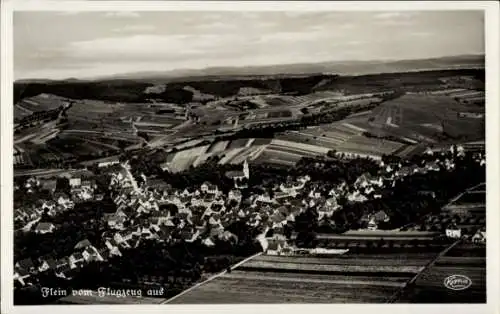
(57, 45)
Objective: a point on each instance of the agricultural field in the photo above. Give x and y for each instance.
(41, 102)
(471, 198)
(369, 146)
(239, 143)
(425, 117)
(182, 160)
(217, 147)
(277, 158)
(337, 279)
(465, 260)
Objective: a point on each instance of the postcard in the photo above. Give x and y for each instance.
(262, 155)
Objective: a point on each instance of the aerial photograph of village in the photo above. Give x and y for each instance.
(249, 157)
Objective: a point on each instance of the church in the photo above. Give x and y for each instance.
(239, 175)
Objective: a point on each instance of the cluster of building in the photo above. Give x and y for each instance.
(27, 271)
(155, 211)
(81, 190)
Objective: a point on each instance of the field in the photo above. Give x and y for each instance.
(288, 152)
(472, 198)
(425, 118)
(279, 279)
(465, 260)
(342, 137)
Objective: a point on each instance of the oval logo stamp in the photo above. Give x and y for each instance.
(457, 282)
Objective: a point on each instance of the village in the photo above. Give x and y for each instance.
(152, 210)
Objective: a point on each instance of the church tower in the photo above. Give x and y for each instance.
(246, 170)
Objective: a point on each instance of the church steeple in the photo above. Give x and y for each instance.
(246, 170)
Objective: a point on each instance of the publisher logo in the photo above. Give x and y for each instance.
(457, 282)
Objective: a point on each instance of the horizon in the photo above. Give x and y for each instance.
(169, 73)
(106, 44)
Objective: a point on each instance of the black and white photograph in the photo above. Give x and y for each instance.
(281, 156)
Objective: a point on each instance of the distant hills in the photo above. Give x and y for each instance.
(334, 67)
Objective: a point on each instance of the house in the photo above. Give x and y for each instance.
(372, 224)
(92, 254)
(82, 244)
(63, 269)
(76, 260)
(47, 264)
(278, 220)
(367, 179)
(479, 237)
(121, 238)
(113, 248)
(314, 194)
(404, 171)
(75, 182)
(289, 187)
(44, 227)
(190, 234)
(26, 264)
(116, 221)
(432, 166)
(275, 246)
(209, 188)
(356, 196)
(381, 216)
(208, 242)
(453, 232)
(235, 195)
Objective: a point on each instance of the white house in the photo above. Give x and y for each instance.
(75, 182)
(76, 260)
(209, 188)
(479, 237)
(454, 233)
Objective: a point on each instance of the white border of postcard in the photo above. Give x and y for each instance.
(491, 9)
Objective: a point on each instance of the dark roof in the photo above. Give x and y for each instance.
(78, 255)
(279, 217)
(82, 244)
(216, 207)
(22, 272)
(273, 244)
(380, 215)
(187, 234)
(26, 263)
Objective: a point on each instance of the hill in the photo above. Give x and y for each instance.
(128, 90)
(339, 67)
